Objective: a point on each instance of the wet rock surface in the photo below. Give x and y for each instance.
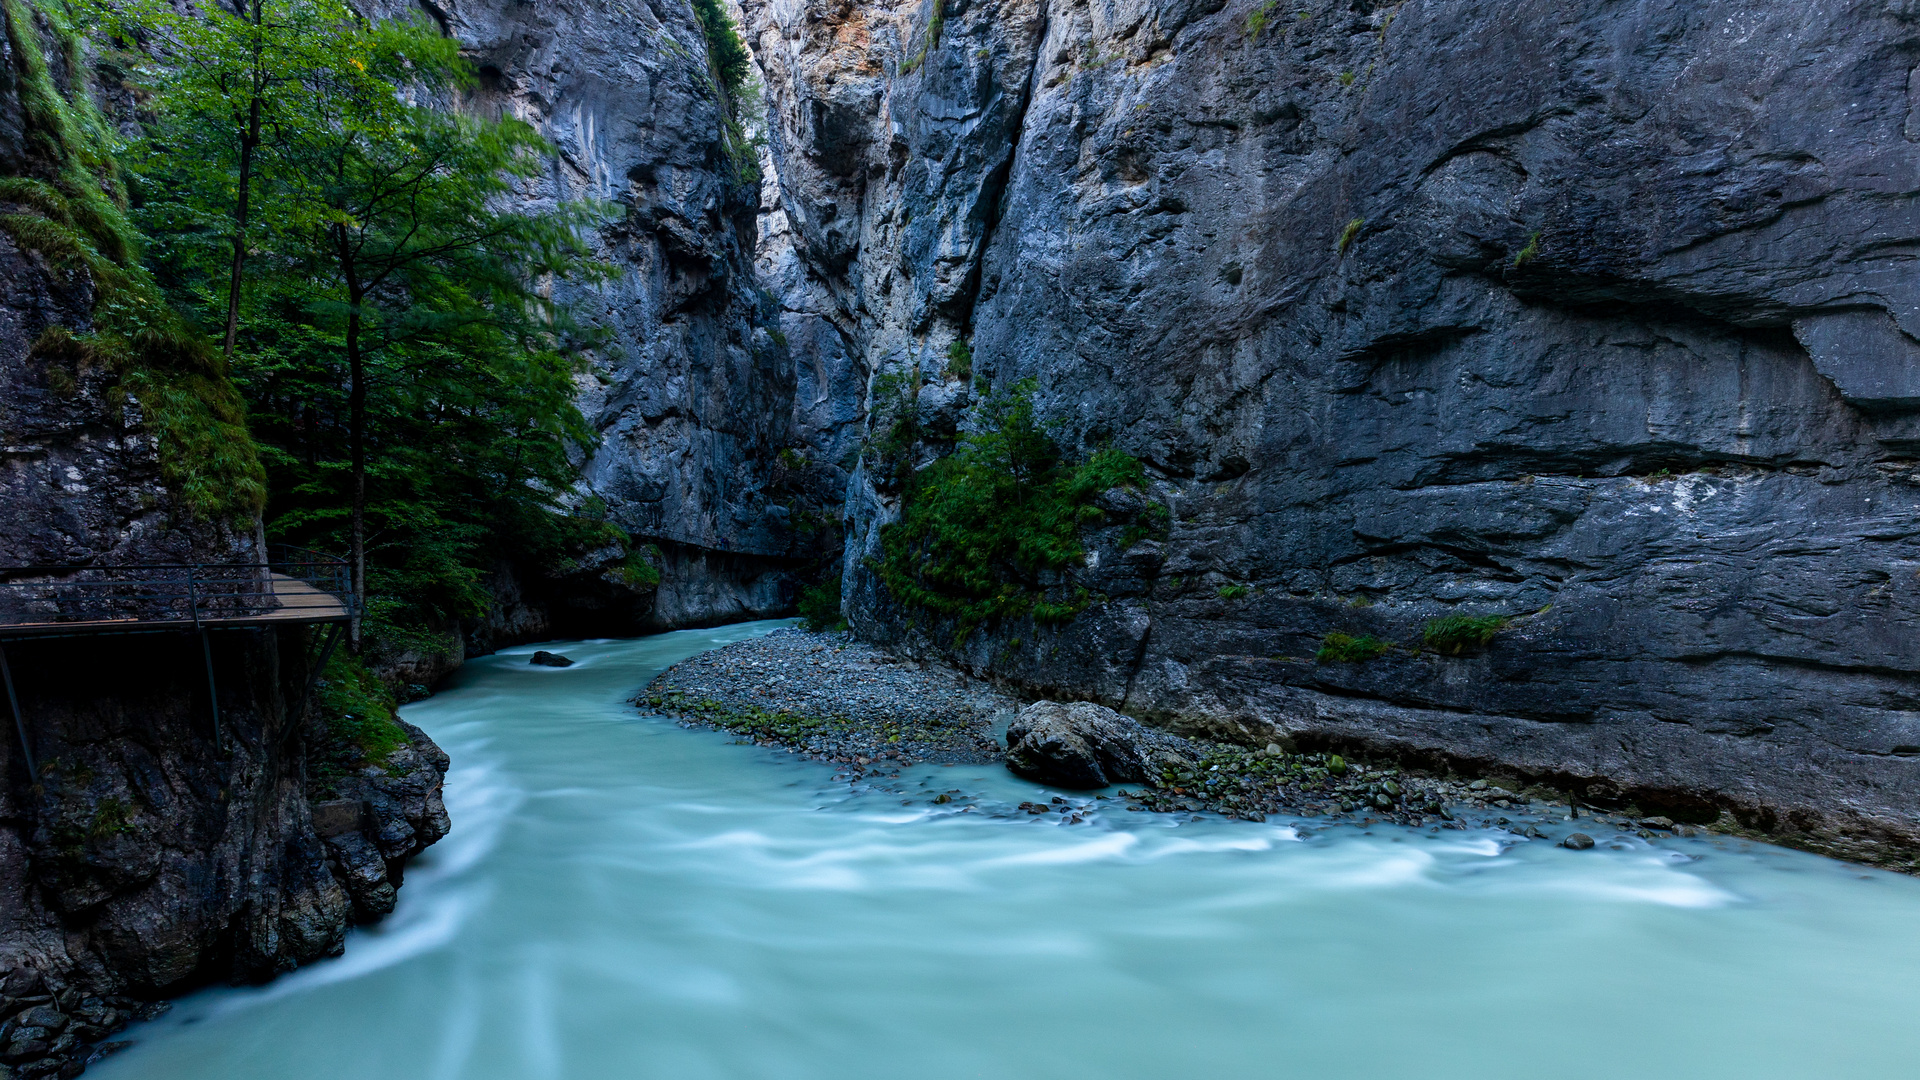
(151, 854)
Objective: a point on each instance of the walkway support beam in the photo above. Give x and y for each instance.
(19, 721)
(213, 691)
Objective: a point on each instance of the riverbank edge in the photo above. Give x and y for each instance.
(754, 689)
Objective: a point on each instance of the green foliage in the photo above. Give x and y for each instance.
(111, 817)
(820, 605)
(1348, 649)
(1454, 633)
(1261, 19)
(396, 297)
(638, 569)
(1154, 523)
(987, 531)
(930, 40)
(1526, 254)
(960, 360)
(1348, 234)
(1346, 78)
(68, 132)
(361, 722)
(207, 459)
(893, 413)
(1233, 592)
(724, 48)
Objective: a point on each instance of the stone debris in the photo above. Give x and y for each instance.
(834, 699)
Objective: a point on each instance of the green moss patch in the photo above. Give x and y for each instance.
(76, 219)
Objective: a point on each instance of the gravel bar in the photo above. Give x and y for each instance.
(832, 698)
(835, 699)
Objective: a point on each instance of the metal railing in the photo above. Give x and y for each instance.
(295, 584)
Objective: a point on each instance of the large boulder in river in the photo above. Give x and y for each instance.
(1083, 745)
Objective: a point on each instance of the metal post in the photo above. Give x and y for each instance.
(19, 722)
(213, 692)
(313, 679)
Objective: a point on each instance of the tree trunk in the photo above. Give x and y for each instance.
(249, 141)
(356, 439)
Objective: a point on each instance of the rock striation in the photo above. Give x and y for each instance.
(1593, 318)
(718, 447)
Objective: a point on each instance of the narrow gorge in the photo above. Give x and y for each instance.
(1527, 391)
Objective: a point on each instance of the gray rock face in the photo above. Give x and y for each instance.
(149, 857)
(1593, 317)
(1083, 745)
(716, 445)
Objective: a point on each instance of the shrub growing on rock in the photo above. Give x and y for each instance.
(820, 605)
(1348, 649)
(986, 531)
(1455, 633)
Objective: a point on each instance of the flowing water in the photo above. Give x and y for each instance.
(623, 898)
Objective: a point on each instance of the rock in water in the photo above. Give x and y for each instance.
(1577, 841)
(547, 659)
(1083, 745)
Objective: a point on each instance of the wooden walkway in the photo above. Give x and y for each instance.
(292, 600)
(298, 586)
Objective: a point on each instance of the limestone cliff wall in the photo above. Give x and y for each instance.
(1599, 316)
(712, 443)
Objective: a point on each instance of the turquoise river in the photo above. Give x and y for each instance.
(624, 898)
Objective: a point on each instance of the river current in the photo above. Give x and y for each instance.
(624, 898)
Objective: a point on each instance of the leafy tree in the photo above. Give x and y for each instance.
(390, 302)
(235, 86)
(731, 61)
(419, 255)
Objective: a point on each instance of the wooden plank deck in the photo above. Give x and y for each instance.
(299, 602)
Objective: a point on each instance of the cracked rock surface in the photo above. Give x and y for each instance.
(1596, 318)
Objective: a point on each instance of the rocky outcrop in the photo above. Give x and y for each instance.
(1591, 317)
(1083, 745)
(153, 852)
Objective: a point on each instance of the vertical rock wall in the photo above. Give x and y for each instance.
(1596, 317)
(146, 851)
(716, 447)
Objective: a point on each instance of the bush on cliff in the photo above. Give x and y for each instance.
(820, 605)
(988, 530)
(361, 725)
(1455, 633)
(1339, 648)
